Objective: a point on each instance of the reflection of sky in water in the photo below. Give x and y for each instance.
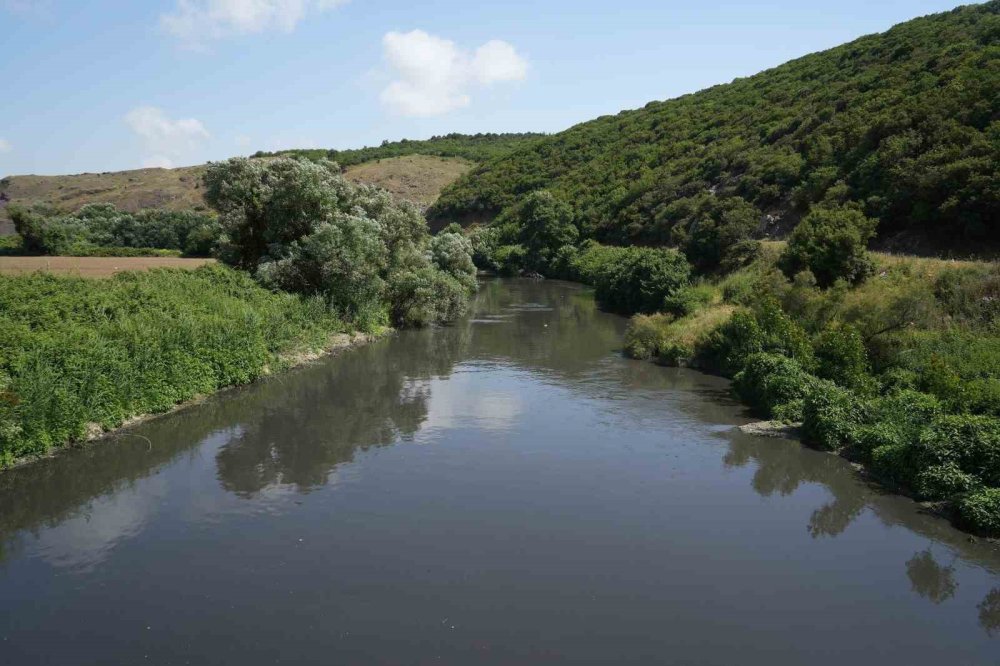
(85, 540)
(471, 398)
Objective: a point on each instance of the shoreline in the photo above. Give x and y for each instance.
(95, 435)
(792, 432)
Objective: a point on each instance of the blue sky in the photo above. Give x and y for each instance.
(95, 86)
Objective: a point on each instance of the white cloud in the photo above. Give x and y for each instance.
(433, 76)
(165, 140)
(195, 22)
(5, 146)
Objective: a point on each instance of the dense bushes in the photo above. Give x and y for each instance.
(300, 226)
(902, 124)
(640, 280)
(79, 354)
(103, 230)
(832, 244)
(475, 147)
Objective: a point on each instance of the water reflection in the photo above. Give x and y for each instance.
(267, 445)
(932, 581)
(989, 613)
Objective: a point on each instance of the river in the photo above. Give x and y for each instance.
(509, 490)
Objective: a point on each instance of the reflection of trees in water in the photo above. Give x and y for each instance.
(565, 336)
(316, 419)
(989, 613)
(932, 581)
(52, 491)
(782, 468)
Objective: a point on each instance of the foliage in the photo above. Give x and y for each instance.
(78, 352)
(980, 511)
(632, 279)
(475, 147)
(830, 243)
(300, 226)
(902, 124)
(103, 230)
(830, 414)
(544, 225)
(773, 384)
(646, 335)
(841, 357)
(765, 328)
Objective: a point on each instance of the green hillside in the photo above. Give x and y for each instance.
(474, 147)
(906, 124)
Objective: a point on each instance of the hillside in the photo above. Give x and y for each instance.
(416, 178)
(905, 123)
(473, 147)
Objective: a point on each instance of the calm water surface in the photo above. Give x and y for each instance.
(506, 491)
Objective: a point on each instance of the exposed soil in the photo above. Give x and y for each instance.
(93, 267)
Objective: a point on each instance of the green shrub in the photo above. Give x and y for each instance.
(641, 280)
(509, 259)
(972, 443)
(841, 357)
(689, 299)
(75, 352)
(943, 481)
(830, 416)
(832, 244)
(980, 511)
(645, 335)
(748, 332)
(771, 383)
(101, 229)
(673, 354)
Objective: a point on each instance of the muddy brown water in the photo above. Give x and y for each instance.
(509, 490)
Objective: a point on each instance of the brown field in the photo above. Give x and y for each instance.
(416, 178)
(93, 267)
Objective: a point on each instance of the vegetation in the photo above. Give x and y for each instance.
(474, 147)
(299, 226)
(900, 373)
(902, 125)
(79, 356)
(318, 255)
(103, 230)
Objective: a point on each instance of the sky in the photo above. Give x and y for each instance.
(112, 85)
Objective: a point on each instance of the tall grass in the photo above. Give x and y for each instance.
(77, 355)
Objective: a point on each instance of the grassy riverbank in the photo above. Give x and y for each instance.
(900, 373)
(79, 356)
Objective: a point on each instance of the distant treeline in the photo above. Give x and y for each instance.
(474, 147)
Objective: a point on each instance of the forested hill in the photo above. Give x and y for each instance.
(905, 123)
(474, 147)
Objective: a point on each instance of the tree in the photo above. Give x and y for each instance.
(300, 226)
(546, 224)
(832, 244)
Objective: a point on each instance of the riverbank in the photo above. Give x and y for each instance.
(82, 358)
(96, 434)
(900, 374)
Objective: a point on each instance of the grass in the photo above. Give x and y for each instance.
(78, 356)
(416, 178)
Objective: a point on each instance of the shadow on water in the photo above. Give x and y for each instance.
(294, 430)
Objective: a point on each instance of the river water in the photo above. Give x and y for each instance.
(509, 490)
